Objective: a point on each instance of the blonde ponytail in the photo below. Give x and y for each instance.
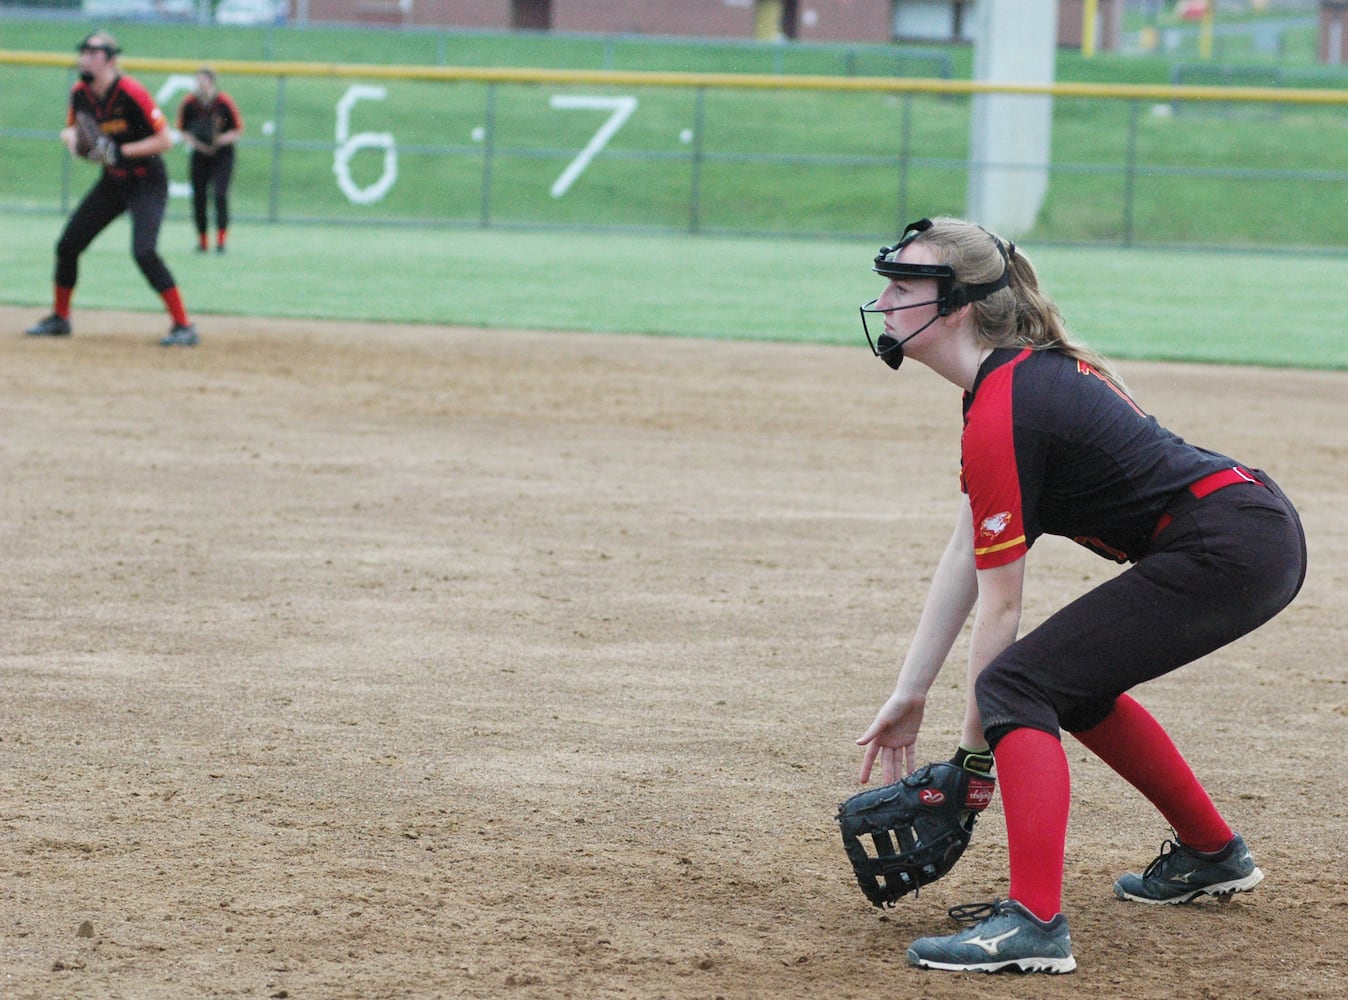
(1020, 315)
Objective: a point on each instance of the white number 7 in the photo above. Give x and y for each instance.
(622, 108)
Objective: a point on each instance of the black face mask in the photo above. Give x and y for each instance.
(90, 45)
(950, 295)
(890, 349)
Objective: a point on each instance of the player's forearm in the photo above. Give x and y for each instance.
(149, 146)
(996, 625)
(950, 598)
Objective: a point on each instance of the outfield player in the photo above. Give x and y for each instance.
(1054, 444)
(210, 124)
(135, 182)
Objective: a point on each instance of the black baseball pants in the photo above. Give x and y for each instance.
(211, 175)
(144, 197)
(1224, 565)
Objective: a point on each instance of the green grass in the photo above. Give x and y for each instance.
(780, 164)
(1279, 310)
(774, 162)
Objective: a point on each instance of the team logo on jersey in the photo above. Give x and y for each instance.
(994, 525)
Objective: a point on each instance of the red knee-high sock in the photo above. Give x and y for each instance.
(1134, 744)
(61, 301)
(1036, 797)
(174, 302)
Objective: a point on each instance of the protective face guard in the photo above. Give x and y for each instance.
(887, 262)
(949, 294)
(884, 346)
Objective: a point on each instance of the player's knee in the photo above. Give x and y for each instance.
(991, 687)
(1008, 697)
(1087, 715)
(147, 260)
(994, 705)
(155, 272)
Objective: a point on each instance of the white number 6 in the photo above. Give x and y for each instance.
(349, 145)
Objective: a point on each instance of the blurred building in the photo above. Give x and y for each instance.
(807, 20)
(767, 20)
(873, 21)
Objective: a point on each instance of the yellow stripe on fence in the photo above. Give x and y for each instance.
(742, 81)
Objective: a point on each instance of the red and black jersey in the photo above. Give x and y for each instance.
(209, 118)
(126, 114)
(1050, 446)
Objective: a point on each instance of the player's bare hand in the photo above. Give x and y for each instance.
(892, 738)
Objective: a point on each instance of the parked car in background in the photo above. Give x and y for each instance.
(251, 12)
(140, 10)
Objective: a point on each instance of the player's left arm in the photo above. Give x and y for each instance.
(996, 623)
(160, 141)
(151, 146)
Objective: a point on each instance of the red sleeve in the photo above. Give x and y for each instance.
(153, 116)
(231, 109)
(991, 475)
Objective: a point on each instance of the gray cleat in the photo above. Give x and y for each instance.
(1180, 873)
(182, 335)
(49, 326)
(1006, 938)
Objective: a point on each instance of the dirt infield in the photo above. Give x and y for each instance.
(362, 662)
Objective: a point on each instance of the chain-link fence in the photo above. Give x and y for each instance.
(720, 153)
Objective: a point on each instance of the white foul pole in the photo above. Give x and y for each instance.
(1010, 134)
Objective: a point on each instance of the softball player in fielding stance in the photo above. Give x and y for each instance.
(1053, 443)
(133, 179)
